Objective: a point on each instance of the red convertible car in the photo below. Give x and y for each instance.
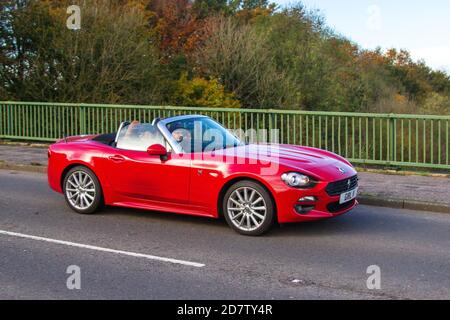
(192, 165)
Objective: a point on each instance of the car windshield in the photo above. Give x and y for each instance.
(139, 136)
(201, 134)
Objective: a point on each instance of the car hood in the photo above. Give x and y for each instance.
(322, 164)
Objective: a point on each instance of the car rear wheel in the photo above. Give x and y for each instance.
(82, 190)
(248, 208)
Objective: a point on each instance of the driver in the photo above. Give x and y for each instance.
(182, 136)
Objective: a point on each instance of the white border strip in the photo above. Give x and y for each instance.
(89, 247)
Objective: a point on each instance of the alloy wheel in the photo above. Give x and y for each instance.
(80, 190)
(246, 208)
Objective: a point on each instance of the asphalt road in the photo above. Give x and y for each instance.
(320, 260)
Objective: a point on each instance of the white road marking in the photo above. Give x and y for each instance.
(89, 247)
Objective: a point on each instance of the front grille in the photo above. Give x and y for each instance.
(336, 207)
(339, 187)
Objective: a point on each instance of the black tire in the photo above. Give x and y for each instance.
(233, 213)
(94, 198)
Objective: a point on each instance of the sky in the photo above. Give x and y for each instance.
(420, 26)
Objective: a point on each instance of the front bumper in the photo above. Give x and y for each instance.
(325, 207)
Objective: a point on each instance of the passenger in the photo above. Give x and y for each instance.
(184, 138)
(132, 129)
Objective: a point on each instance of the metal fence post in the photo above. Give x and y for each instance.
(271, 124)
(10, 120)
(82, 114)
(392, 137)
(2, 128)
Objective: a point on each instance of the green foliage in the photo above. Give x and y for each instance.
(242, 53)
(200, 92)
(109, 60)
(240, 58)
(205, 8)
(437, 104)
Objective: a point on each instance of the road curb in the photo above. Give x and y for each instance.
(404, 204)
(25, 144)
(23, 167)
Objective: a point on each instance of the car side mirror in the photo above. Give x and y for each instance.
(158, 150)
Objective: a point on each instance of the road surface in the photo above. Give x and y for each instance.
(121, 253)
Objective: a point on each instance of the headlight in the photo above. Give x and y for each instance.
(296, 180)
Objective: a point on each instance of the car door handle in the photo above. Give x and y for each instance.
(117, 158)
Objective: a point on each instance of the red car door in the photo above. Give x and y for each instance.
(136, 174)
(133, 173)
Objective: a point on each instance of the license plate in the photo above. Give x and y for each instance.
(348, 196)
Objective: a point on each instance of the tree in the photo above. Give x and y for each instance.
(177, 26)
(208, 8)
(436, 103)
(201, 92)
(239, 57)
(109, 60)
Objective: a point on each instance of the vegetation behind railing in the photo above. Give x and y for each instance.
(382, 139)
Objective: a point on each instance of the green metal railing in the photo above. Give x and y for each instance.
(363, 138)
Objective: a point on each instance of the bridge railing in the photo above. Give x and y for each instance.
(363, 138)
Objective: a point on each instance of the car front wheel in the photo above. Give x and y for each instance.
(248, 208)
(82, 190)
